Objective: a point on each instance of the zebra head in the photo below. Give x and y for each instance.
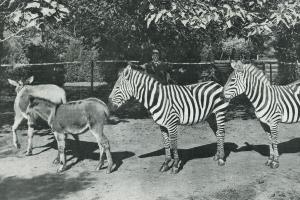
(236, 83)
(122, 90)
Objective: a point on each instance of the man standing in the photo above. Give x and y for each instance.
(157, 69)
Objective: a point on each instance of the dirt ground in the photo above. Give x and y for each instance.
(136, 146)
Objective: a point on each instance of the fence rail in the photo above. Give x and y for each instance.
(269, 66)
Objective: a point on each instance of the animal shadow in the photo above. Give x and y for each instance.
(85, 150)
(204, 151)
(291, 146)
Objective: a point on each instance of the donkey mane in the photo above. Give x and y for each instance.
(43, 99)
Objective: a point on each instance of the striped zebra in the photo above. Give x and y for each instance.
(272, 103)
(171, 105)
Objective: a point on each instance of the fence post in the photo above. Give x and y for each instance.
(92, 77)
(271, 73)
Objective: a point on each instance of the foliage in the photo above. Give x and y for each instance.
(20, 15)
(254, 17)
(237, 47)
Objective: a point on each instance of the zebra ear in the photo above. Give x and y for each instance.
(239, 65)
(233, 64)
(127, 71)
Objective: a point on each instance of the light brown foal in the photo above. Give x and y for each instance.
(23, 90)
(74, 117)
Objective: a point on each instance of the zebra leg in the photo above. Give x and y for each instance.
(166, 141)
(173, 141)
(271, 157)
(267, 129)
(274, 133)
(217, 125)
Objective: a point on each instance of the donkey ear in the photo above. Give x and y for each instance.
(29, 80)
(12, 82)
(31, 99)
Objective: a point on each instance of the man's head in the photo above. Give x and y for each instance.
(155, 55)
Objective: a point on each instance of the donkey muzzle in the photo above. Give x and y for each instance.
(111, 106)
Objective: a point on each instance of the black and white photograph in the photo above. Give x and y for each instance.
(149, 100)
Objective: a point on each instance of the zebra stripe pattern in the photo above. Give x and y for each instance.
(272, 103)
(171, 105)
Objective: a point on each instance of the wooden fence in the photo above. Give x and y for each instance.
(270, 68)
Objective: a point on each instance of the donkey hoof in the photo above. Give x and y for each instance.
(110, 168)
(269, 162)
(61, 169)
(274, 164)
(221, 162)
(28, 153)
(99, 166)
(17, 145)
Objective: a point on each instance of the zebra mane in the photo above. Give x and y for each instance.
(138, 71)
(252, 70)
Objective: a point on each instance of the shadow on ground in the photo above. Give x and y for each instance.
(204, 151)
(46, 186)
(209, 150)
(291, 146)
(85, 150)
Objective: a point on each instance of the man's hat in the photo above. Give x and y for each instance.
(155, 51)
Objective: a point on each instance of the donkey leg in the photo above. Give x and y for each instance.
(17, 121)
(78, 148)
(29, 141)
(61, 148)
(103, 144)
(56, 160)
(30, 134)
(166, 142)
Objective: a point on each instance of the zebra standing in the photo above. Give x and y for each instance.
(171, 105)
(272, 103)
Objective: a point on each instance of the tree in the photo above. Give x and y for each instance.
(20, 15)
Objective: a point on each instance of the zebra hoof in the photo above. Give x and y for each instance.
(216, 158)
(174, 170)
(164, 167)
(55, 161)
(274, 164)
(28, 153)
(269, 162)
(221, 162)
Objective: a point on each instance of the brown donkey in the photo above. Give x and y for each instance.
(23, 90)
(74, 117)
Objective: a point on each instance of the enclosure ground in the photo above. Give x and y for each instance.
(137, 150)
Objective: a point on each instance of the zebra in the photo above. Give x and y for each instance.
(171, 105)
(272, 103)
